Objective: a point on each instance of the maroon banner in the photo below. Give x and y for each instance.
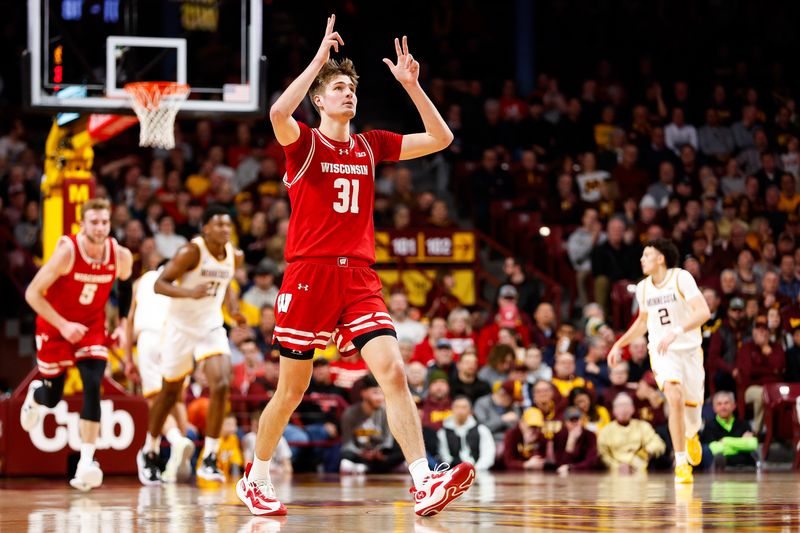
(46, 450)
(75, 193)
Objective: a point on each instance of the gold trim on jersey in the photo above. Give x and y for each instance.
(208, 356)
(666, 281)
(678, 288)
(223, 261)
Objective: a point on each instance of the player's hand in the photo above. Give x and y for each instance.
(614, 356)
(239, 318)
(331, 40)
(665, 342)
(406, 71)
(200, 291)
(119, 336)
(132, 372)
(73, 332)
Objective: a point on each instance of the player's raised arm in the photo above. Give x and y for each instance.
(437, 134)
(131, 372)
(280, 114)
(186, 259)
(58, 265)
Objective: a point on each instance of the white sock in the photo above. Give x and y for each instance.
(419, 471)
(174, 436)
(260, 470)
(151, 444)
(211, 446)
(87, 453)
(681, 458)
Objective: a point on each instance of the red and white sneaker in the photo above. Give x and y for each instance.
(259, 496)
(441, 488)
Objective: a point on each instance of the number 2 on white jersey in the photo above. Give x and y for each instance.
(347, 201)
(87, 294)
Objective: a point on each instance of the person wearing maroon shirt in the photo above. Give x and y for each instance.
(759, 362)
(524, 445)
(723, 346)
(575, 447)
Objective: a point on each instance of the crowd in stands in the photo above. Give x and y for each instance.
(604, 167)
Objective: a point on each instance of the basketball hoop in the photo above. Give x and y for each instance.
(156, 103)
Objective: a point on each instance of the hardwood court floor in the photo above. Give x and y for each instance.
(378, 504)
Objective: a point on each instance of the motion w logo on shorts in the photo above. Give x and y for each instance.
(283, 302)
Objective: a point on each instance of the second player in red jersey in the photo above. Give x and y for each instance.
(69, 295)
(329, 290)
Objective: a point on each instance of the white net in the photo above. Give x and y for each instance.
(156, 104)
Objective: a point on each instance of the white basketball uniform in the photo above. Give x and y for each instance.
(667, 306)
(194, 329)
(148, 328)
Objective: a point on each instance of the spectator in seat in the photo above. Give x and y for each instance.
(437, 404)
(793, 358)
(544, 325)
(770, 297)
(417, 376)
(263, 292)
(579, 248)
(564, 377)
(265, 329)
(724, 345)
(536, 367)
(631, 181)
(460, 332)
(639, 361)
(440, 299)
(491, 182)
(508, 316)
(466, 381)
(367, 443)
(528, 289)
(594, 417)
(575, 448)
(789, 284)
(715, 140)
(614, 260)
(661, 190)
(678, 133)
(463, 440)
(166, 240)
(321, 381)
(498, 411)
(618, 376)
(346, 373)
(524, 445)
(759, 362)
(627, 445)
(595, 368)
(442, 360)
(727, 441)
(501, 359)
(405, 326)
(423, 351)
(249, 375)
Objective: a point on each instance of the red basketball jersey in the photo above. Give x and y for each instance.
(81, 295)
(332, 192)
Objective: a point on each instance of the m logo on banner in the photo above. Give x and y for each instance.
(283, 302)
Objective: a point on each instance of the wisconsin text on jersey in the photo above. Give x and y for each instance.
(93, 278)
(341, 168)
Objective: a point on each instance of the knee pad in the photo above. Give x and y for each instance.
(92, 376)
(51, 391)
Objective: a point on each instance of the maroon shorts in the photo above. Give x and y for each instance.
(55, 354)
(328, 298)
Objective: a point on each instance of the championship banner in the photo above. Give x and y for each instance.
(425, 246)
(76, 192)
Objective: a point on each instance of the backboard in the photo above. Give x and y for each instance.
(81, 53)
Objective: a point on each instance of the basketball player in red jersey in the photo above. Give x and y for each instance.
(328, 289)
(69, 295)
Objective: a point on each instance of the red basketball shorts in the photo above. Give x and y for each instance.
(328, 298)
(55, 354)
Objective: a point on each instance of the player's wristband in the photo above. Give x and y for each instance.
(678, 330)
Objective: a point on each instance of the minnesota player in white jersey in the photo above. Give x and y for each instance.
(197, 280)
(146, 320)
(671, 311)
